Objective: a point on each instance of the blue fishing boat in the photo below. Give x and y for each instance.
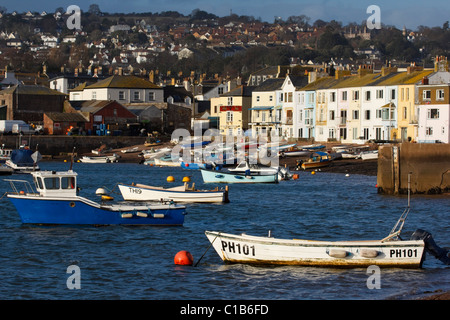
(195, 165)
(212, 176)
(54, 200)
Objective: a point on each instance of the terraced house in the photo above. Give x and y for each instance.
(387, 105)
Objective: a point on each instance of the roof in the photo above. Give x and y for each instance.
(66, 117)
(32, 90)
(241, 91)
(270, 84)
(125, 82)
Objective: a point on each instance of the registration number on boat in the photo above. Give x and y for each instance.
(239, 248)
(135, 190)
(403, 253)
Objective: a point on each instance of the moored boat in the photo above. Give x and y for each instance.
(100, 159)
(24, 160)
(369, 155)
(268, 250)
(213, 176)
(184, 193)
(54, 201)
(317, 160)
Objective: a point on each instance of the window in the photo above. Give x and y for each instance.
(344, 95)
(94, 95)
(270, 98)
(331, 114)
(67, 182)
(355, 133)
(343, 116)
(367, 115)
(290, 97)
(230, 101)
(355, 114)
(151, 96)
(136, 95)
(257, 98)
(310, 98)
(440, 94)
(429, 131)
(229, 116)
(220, 90)
(355, 95)
(367, 95)
(407, 93)
(332, 96)
(121, 95)
(380, 94)
(405, 113)
(403, 94)
(433, 114)
(366, 133)
(392, 94)
(51, 183)
(426, 94)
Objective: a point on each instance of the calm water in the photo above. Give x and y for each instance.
(119, 262)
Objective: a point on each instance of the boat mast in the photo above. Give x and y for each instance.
(401, 221)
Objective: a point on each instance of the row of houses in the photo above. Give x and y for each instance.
(410, 105)
(292, 103)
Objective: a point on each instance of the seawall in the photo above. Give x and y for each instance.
(55, 145)
(428, 165)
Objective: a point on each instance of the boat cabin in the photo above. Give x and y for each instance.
(52, 183)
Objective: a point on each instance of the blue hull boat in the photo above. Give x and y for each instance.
(195, 165)
(211, 176)
(55, 202)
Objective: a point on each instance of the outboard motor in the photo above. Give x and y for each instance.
(431, 246)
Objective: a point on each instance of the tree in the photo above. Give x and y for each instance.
(94, 9)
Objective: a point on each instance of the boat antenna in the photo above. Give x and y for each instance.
(71, 158)
(401, 221)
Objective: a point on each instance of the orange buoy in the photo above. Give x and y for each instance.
(184, 258)
(295, 176)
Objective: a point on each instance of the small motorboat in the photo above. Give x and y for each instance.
(54, 200)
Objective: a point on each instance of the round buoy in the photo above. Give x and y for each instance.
(313, 172)
(376, 186)
(183, 258)
(295, 176)
(186, 179)
(170, 179)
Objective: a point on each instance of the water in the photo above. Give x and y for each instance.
(118, 262)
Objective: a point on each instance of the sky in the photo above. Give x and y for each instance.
(399, 13)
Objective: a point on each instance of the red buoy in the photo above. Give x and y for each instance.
(184, 258)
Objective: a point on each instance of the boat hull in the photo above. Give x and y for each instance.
(81, 211)
(222, 177)
(270, 251)
(134, 193)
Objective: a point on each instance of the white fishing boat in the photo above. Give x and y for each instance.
(391, 251)
(167, 161)
(183, 193)
(100, 159)
(294, 151)
(369, 155)
(130, 150)
(245, 166)
(155, 153)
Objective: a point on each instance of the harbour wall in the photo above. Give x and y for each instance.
(427, 164)
(57, 145)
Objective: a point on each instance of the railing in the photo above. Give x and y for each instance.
(26, 186)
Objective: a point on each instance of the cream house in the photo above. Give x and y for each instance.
(265, 115)
(233, 110)
(123, 89)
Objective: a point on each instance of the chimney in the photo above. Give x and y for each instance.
(425, 80)
(151, 76)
